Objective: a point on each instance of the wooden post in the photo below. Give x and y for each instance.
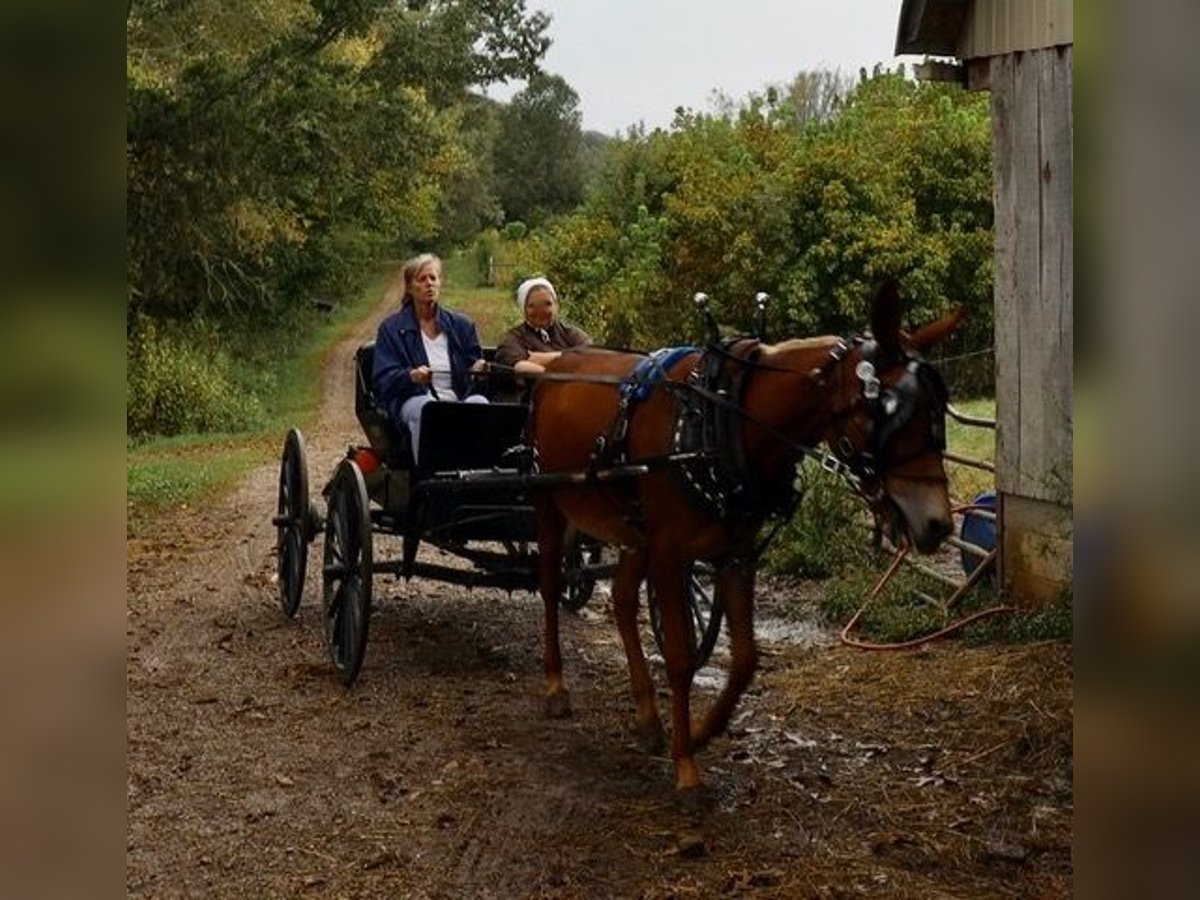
(1032, 160)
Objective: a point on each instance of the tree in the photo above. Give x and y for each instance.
(275, 149)
(814, 202)
(538, 158)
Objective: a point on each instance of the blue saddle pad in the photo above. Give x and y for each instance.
(650, 371)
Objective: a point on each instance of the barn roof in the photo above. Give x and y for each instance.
(969, 29)
(930, 26)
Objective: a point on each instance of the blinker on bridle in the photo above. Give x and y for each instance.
(889, 409)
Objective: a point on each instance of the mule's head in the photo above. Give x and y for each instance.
(891, 430)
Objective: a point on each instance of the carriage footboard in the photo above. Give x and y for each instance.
(470, 481)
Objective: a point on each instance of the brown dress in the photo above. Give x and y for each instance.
(518, 343)
(524, 339)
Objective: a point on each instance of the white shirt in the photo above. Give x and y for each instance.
(437, 351)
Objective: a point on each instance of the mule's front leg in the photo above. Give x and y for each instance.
(631, 569)
(551, 525)
(666, 572)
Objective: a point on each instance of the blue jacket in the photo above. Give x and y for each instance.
(398, 349)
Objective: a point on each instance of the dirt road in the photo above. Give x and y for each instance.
(252, 773)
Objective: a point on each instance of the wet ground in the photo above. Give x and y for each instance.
(252, 772)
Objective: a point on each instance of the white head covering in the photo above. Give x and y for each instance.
(528, 285)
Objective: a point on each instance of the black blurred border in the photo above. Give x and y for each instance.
(1137, 112)
(1137, 440)
(62, 303)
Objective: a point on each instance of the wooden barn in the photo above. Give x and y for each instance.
(1021, 52)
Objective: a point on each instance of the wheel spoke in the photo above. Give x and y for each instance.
(351, 616)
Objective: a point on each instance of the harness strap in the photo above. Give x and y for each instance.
(649, 372)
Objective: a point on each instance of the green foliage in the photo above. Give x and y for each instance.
(490, 307)
(537, 153)
(515, 230)
(162, 479)
(468, 202)
(483, 256)
(813, 196)
(900, 614)
(275, 160)
(181, 381)
(828, 531)
(1052, 622)
(280, 368)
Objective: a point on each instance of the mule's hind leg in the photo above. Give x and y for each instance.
(735, 587)
(667, 575)
(551, 525)
(631, 569)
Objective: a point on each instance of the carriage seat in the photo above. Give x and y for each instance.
(394, 445)
(454, 436)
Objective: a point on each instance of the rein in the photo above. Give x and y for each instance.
(828, 461)
(857, 467)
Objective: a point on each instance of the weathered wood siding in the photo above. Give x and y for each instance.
(1031, 118)
(1032, 133)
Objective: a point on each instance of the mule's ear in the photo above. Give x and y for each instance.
(885, 317)
(935, 332)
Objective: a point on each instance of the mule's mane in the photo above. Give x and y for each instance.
(793, 344)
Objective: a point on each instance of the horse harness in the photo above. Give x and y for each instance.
(707, 451)
(888, 411)
(706, 448)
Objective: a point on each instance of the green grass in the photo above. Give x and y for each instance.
(899, 614)
(493, 309)
(162, 477)
(164, 473)
(969, 440)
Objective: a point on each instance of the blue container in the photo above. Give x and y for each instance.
(978, 530)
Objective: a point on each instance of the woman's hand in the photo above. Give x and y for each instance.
(479, 367)
(420, 375)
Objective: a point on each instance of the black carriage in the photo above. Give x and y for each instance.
(472, 496)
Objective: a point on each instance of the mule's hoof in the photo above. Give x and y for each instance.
(651, 737)
(558, 705)
(696, 801)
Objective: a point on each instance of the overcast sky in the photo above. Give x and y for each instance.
(636, 60)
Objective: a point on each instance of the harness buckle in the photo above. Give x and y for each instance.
(833, 465)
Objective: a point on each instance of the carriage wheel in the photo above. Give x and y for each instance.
(347, 573)
(704, 612)
(577, 554)
(292, 523)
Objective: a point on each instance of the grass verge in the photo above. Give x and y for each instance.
(182, 471)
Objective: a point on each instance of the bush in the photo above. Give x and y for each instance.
(826, 534)
(515, 230)
(181, 381)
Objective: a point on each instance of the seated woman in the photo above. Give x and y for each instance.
(541, 338)
(425, 352)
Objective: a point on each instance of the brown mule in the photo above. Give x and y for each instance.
(751, 410)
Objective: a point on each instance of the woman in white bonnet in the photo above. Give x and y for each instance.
(541, 338)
